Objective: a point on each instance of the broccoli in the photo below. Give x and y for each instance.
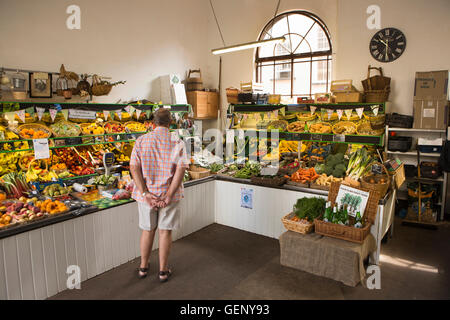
(338, 173)
(340, 166)
(328, 170)
(339, 157)
(329, 158)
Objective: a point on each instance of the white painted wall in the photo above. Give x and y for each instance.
(426, 26)
(135, 40)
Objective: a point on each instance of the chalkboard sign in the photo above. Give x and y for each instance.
(377, 169)
(73, 141)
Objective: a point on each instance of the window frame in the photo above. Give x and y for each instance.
(326, 55)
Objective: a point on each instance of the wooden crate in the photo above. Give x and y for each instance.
(204, 104)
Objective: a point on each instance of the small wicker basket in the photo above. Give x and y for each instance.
(303, 228)
(378, 186)
(198, 172)
(34, 126)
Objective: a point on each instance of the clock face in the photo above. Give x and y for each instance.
(387, 45)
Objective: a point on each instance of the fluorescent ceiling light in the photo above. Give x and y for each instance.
(248, 45)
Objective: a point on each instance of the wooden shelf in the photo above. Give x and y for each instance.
(413, 153)
(417, 130)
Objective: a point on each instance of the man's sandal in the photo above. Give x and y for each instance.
(142, 270)
(164, 275)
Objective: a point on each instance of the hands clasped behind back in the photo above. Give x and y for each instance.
(157, 202)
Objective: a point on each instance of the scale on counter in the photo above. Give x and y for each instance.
(108, 161)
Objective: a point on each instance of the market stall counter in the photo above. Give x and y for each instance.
(35, 256)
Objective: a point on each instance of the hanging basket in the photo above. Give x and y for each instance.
(100, 88)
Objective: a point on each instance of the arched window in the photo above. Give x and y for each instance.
(301, 65)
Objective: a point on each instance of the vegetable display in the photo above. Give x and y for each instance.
(358, 164)
(309, 208)
(104, 180)
(250, 169)
(304, 175)
(335, 165)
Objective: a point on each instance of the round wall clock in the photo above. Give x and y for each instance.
(387, 45)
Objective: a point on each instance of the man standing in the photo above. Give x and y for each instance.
(157, 164)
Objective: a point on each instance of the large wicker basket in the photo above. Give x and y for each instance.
(198, 172)
(73, 125)
(99, 89)
(348, 233)
(34, 126)
(295, 226)
(379, 186)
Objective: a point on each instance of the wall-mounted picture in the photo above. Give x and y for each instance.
(40, 85)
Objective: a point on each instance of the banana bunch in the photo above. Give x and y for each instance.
(288, 146)
(35, 173)
(8, 162)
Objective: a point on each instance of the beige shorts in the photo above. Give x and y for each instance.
(167, 218)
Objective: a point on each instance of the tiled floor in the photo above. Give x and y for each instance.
(220, 262)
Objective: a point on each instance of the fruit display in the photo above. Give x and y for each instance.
(344, 127)
(20, 211)
(92, 129)
(133, 126)
(6, 134)
(278, 125)
(52, 207)
(125, 117)
(320, 127)
(8, 162)
(297, 126)
(55, 190)
(114, 127)
(37, 171)
(33, 133)
(72, 160)
(288, 146)
(65, 129)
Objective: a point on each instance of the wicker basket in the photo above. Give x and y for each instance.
(344, 123)
(99, 89)
(348, 233)
(377, 122)
(377, 96)
(382, 188)
(399, 176)
(198, 172)
(134, 122)
(313, 127)
(232, 95)
(34, 126)
(20, 162)
(306, 116)
(87, 124)
(365, 129)
(77, 128)
(269, 182)
(295, 226)
(113, 122)
(316, 186)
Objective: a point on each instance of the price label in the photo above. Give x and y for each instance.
(41, 149)
(82, 114)
(339, 138)
(316, 137)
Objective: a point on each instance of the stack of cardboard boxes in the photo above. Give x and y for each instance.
(431, 97)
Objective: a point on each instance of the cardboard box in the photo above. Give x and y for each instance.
(430, 114)
(431, 85)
